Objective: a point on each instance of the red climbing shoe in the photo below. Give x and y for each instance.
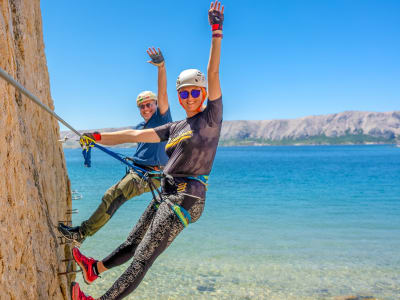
(86, 264)
(77, 294)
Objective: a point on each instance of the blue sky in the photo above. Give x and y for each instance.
(280, 59)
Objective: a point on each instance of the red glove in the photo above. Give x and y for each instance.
(96, 136)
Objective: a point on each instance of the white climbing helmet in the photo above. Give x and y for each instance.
(191, 77)
(145, 96)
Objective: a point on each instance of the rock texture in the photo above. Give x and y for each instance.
(385, 125)
(34, 187)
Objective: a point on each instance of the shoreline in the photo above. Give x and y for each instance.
(262, 145)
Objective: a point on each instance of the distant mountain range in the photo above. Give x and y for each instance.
(350, 127)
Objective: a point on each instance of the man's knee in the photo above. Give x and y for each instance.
(115, 204)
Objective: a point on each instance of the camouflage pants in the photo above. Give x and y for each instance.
(129, 186)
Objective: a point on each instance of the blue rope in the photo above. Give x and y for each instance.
(86, 152)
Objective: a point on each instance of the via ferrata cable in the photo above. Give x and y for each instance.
(24, 91)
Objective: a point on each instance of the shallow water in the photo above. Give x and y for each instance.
(280, 223)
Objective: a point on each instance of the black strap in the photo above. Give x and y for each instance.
(152, 188)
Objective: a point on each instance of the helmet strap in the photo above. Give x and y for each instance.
(180, 100)
(204, 96)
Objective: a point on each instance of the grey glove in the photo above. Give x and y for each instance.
(157, 59)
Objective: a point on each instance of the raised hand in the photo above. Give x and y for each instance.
(157, 59)
(216, 15)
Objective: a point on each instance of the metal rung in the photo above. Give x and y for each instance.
(65, 222)
(64, 241)
(67, 259)
(69, 272)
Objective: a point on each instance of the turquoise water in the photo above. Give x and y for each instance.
(280, 223)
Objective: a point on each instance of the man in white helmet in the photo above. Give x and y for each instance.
(150, 156)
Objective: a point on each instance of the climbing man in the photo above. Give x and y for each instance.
(149, 156)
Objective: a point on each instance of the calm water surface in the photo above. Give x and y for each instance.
(280, 223)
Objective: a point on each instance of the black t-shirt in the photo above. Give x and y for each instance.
(192, 143)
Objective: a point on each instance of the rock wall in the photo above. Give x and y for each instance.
(34, 186)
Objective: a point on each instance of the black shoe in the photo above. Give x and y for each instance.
(71, 233)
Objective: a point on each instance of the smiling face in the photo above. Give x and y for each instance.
(191, 104)
(147, 109)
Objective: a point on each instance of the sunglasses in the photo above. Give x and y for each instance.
(185, 94)
(143, 106)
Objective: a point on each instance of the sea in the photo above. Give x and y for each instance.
(280, 222)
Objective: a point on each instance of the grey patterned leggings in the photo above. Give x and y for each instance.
(154, 232)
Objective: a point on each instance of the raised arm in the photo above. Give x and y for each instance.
(157, 60)
(124, 136)
(216, 18)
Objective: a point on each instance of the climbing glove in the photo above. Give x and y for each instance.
(88, 137)
(157, 58)
(216, 19)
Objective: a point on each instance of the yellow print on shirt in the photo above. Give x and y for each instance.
(179, 138)
(181, 187)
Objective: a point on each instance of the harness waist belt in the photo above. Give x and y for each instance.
(149, 168)
(202, 178)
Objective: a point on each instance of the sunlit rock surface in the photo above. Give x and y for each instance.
(34, 187)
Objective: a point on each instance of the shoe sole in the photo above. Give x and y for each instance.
(82, 268)
(72, 290)
(68, 238)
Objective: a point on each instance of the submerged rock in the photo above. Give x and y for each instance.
(356, 298)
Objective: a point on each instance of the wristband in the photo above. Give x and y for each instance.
(217, 35)
(97, 136)
(216, 27)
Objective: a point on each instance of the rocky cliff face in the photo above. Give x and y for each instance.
(34, 187)
(380, 127)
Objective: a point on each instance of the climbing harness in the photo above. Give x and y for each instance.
(182, 214)
(201, 178)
